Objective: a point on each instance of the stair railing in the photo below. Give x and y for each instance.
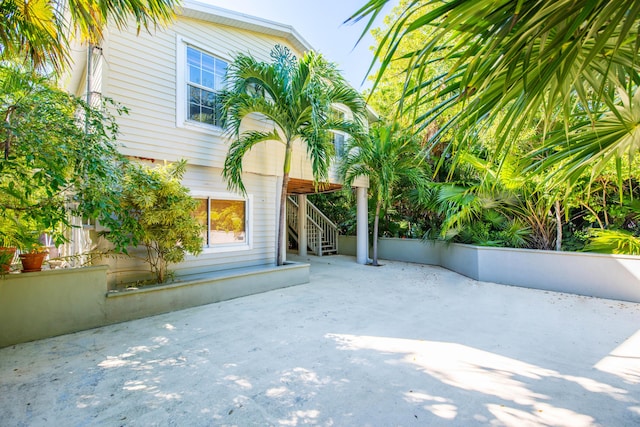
(292, 218)
(322, 233)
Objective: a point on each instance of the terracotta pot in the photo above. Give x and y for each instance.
(6, 266)
(32, 262)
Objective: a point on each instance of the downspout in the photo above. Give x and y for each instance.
(89, 82)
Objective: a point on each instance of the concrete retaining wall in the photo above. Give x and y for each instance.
(599, 275)
(411, 250)
(51, 302)
(55, 302)
(202, 289)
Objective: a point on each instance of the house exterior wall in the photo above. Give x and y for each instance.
(140, 73)
(143, 74)
(146, 73)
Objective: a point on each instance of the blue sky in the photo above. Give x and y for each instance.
(321, 24)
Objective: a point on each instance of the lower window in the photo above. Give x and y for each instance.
(224, 221)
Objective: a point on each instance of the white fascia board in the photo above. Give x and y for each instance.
(218, 15)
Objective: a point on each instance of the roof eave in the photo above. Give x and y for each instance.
(218, 15)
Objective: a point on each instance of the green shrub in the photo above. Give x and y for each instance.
(156, 212)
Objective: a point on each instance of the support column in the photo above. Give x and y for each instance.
(302, 224)
(362, 245)
(285, 237)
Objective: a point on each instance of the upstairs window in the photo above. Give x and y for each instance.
(338, 137)
(205, 78)
(338, 144)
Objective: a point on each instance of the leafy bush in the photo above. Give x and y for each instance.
(155, 211)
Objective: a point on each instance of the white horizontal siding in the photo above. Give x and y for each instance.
(228, 41)
(263, 237)
(141, 73)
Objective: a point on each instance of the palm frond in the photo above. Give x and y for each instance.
(41, 30)
(593, 145)
(385, 157)
(613, 241)
(296, 97)
(232, 171)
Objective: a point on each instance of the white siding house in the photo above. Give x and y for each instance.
(151, 74)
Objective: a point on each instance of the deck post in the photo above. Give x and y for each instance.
(362, 245)
(302, 224)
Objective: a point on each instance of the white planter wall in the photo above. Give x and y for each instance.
(54, 302)
(411, 250)
(599, 275)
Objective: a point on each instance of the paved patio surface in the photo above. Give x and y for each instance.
(398, 345)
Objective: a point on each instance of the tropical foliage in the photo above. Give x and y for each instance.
(339, 207)
(390, 90)
(569, 68)
(528, 117)
(614, 241)
(486, 83)
(492, 206)
(59, 157)
(41, 30)
(296, 96)
(60, 160)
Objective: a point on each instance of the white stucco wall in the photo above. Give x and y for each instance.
(591, 274)
(599, 275)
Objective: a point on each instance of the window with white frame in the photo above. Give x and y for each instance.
(204, 80)
(338, 137)
(338, 143)
(225, 221)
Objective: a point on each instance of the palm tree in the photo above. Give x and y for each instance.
(41, 30)
(386, 157)
(519, 63)
(296, 96)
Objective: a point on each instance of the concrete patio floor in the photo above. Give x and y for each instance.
(398, 345)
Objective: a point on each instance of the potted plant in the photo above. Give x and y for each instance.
(32, 253)
(33, 259)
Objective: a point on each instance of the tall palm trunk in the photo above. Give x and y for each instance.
(282, 219)
(558, 225)
(376, 220)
